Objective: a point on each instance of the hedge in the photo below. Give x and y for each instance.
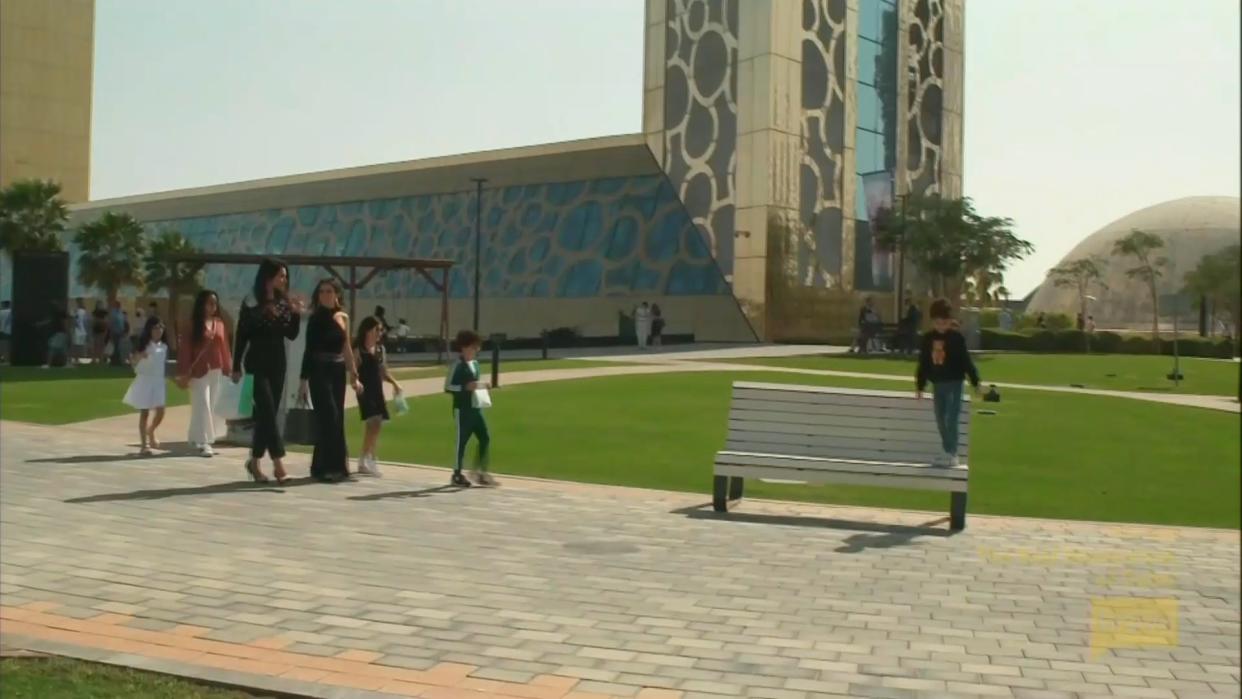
(1071, 341)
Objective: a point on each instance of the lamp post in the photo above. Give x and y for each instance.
(478, 242)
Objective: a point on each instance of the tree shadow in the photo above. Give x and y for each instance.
(216, 489)
(423, 493)
(870, 535)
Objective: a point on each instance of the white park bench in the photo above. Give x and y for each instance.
(814, 434)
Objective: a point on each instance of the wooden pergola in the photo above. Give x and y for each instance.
(332, 263)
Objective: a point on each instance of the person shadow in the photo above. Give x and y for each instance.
(214, 489)
(402, 494)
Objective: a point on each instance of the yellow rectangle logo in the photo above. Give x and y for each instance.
(1132, 622)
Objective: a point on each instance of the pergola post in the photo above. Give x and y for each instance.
(353, 295)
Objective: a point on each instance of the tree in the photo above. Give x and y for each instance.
(1216, 278)
(1081, 275)
(111, 251)
(1149, 267)
(32, 216)
(177, 278)
(950, 242)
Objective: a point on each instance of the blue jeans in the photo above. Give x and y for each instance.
(948, 408)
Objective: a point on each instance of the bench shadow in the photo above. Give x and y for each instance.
(869, 535)
(422, 493)
(216, 489)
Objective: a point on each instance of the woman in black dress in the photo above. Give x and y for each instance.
(261, 333)
(324, 364)
(372, 373)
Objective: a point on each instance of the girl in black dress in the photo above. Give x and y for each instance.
(260, 347)
(324, 364)
(372, 372)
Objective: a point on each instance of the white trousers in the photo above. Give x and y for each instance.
(643, 330)
(204, 424)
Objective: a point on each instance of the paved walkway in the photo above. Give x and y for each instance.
(402, 587)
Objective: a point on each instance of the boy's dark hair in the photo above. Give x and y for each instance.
(941, 308)
(466, 338)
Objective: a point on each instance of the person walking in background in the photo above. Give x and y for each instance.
(56, 328)
(99, 333)
(6, 329)
(324, 364)
(81, 334)
(911, 324)
(203, 359)
(147, 393)
(1090, 324)
(118, 333)
(403, 336)
(642, 324)
(945, 362)
(372, 373)
(462, 382)
(260, 347)
(657, 326)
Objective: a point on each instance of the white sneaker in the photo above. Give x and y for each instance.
(951, 460)
(206, 450)
(364, 468)
(374, 465)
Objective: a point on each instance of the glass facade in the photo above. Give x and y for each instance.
(875, 135)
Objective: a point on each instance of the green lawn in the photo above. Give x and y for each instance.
(1043, 454)
(63, 678)
(1119, 372)
(63, 396)
(485, 366)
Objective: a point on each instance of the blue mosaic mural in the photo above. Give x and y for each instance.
(603, 237)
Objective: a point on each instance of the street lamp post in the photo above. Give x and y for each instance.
(478, 242)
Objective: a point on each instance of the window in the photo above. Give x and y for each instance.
(868, 58)
(870, 113)
(868, 151)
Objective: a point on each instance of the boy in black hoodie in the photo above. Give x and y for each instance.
(945, 361)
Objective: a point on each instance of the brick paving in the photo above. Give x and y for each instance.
(402, 587)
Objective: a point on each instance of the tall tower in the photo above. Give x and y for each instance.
(46, 57)
(785, 125)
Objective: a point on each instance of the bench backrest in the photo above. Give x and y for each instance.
(837, 423)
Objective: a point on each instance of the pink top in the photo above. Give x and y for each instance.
(212, 353)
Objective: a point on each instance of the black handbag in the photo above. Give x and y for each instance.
(300, 424)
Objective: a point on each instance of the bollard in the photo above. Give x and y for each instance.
(496, 339)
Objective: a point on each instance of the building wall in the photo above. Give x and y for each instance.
(46, 57)
(842, 105)
(569, 254)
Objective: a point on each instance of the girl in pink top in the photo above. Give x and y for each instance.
(202, 359)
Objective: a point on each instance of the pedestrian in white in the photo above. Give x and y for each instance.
(642, 324)
(148, 393)
(203, 358)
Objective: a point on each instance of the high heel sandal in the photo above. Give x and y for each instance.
(281, 478)
(252, 468)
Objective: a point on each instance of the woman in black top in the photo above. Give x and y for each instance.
(324, 363)
(261, 333)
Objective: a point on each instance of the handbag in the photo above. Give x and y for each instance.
(482, 398)
(300, 423)
(399, 402)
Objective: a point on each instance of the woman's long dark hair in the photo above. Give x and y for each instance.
(199, 316)
(367, 325)
(336, 286)
(268, 269)
(145, 338)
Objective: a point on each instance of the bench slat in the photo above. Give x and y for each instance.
(742, 458)
(904, 441)
(920, 412)
(871, 479)
(777, 422)
(863, 453)
(906, 402)
(829, 390)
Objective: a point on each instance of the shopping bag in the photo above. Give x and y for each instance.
(399, 404)
(300, 423)
(482, 398)
(236, 400)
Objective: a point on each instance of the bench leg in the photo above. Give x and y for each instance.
(735, 487)
(720, 493)
(957, 511)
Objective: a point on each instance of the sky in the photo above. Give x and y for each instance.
(1077, 111)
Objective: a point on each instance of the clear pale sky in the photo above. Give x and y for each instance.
(1077, 111)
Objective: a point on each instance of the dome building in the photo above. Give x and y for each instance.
(1191, 228)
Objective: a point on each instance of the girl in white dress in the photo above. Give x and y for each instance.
(147, 392)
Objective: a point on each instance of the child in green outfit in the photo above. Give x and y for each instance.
(462, 382)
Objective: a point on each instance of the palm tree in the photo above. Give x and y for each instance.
(32, 216)
(177, 278)
(1215, 279)
(1142, 246)
(111, 250)
(1081, 275)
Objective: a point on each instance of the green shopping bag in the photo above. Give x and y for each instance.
(245, 399)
